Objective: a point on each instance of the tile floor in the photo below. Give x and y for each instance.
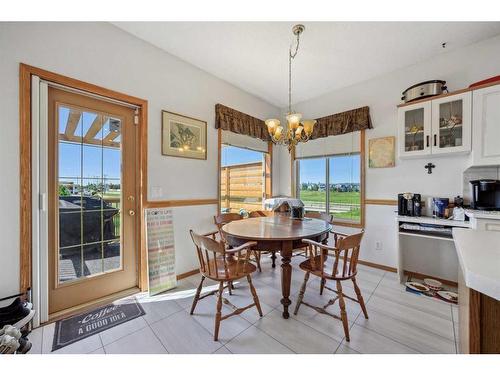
(400, 322)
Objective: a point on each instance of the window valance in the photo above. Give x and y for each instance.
(342, 123)
(238, 122)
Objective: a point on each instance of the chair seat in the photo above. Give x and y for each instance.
(307, 266)
(235, 269)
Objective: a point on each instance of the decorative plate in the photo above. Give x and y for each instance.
(448, 296)
(418, 287)
(433, 284)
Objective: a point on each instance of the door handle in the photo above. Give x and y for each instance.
(427, 137)
(131, 212)
(435, 139)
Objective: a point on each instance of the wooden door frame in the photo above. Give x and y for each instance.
(25, 168)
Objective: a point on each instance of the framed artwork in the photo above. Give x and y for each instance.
(183, 136)
(381, 152)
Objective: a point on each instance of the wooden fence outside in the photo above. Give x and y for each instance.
(242, 187)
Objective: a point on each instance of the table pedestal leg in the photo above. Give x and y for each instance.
(286, 275)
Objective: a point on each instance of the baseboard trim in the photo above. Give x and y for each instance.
(187, 274)
(423, 276)
(378, 266)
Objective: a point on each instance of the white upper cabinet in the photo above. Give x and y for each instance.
(435, 127)
(486, 129)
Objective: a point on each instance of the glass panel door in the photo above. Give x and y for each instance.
(450, 124)
(414, 130)
(92, 201)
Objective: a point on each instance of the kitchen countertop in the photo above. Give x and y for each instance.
(478, 214)
(479, 257)
(434, 221)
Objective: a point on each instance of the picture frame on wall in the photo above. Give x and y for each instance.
(183, 136)
(382, 152)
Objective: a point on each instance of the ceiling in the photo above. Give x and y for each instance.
(254, 55)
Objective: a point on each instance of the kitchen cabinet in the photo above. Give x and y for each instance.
(486, 129)
(435, 127)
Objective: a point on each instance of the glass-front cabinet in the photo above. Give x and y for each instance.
(436, 126)
(414, 129)
(451, 124)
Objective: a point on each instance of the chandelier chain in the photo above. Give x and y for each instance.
(290, 57)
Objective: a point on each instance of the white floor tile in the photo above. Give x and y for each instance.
(431, 323)
(365, 341)
(418, 302)
(98, 351)
(296, 335)
(121, 330)
(229, 328)
(36, 337)
(143, 341)
(181, 334)
(255, 341)
(222, 350)
(158, 308)
(407, 334)
(342, 349)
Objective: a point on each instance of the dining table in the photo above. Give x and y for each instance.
(277, 233)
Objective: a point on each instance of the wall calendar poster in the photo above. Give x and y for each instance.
(161, 250)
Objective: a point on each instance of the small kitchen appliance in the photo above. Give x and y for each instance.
(409, 204)
(486, 195)
(424, 90)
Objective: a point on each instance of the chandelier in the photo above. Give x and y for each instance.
(297, 130)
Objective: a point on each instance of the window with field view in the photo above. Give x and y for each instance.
(331, 184)
(242, 184)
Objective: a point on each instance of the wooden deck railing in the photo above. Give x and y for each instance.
(242, 187)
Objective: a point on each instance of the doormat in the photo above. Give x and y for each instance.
(78, 327)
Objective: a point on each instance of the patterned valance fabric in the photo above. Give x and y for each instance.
(342, 123)
(238, 122)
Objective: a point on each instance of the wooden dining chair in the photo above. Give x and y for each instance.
(222, 219)
(341, 266)
(215, 265)
(260, 213)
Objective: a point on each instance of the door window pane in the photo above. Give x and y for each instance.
(242, 180)
(345, 196)
(89, 169)
(312, 188)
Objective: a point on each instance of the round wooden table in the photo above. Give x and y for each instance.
(279, 233)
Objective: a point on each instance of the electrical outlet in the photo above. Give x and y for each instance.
(378, 245)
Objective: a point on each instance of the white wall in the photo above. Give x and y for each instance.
(459, 68)
(102, 54)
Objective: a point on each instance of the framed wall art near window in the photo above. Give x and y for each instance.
(183, 136)
(381, 152)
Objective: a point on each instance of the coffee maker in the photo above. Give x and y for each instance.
(409, 204)
(486, 195)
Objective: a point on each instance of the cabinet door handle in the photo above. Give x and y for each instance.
(435, 139)
(427, 138)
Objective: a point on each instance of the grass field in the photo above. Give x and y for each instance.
(335, 196)
(318, 197)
